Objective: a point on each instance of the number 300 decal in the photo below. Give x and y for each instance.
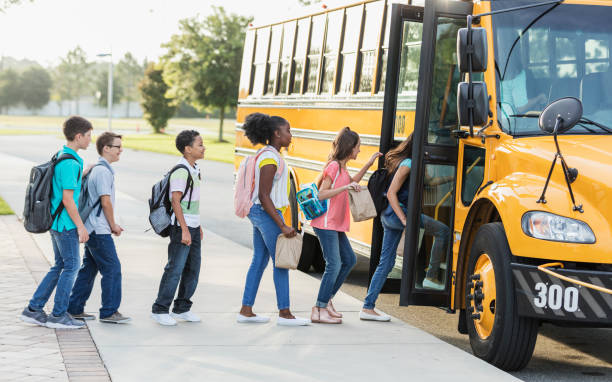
(555, 297)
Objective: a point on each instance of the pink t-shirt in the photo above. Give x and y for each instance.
(338, 215)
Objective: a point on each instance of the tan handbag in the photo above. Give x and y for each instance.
(362, 205)
(288, 251)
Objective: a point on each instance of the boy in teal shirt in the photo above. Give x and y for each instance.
(67, 232)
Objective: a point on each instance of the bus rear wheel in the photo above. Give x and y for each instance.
(497, 334)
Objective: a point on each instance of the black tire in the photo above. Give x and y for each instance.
(511, 341)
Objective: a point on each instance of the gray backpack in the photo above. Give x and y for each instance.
(160, 208)
(85, 206)
(37, 215)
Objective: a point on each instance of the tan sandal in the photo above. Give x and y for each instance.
(322, 316)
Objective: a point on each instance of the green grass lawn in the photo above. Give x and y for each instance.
(138, 133)
(164, 143)
(210, 126)
(4, 208)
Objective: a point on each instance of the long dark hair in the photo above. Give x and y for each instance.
(394, 157)
(343, 145)
(260, 128)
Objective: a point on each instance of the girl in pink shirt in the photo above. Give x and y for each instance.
(332, 226)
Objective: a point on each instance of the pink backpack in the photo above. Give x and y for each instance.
(245, 182)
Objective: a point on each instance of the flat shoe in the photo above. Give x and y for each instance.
(297, 321)
(373, 317)
(252, 320)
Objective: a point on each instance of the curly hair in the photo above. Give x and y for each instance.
(343, 145)
(185, 138)
(260, 128)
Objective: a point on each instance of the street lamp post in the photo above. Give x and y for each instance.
(109, 103)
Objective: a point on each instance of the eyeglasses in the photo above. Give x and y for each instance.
(119, 147)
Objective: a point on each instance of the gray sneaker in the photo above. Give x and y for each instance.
(38, 317)
(116, 318)
(84, 316)
(64, 322)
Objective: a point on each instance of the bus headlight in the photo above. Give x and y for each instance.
(547, 226)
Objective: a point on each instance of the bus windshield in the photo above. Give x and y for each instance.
(550, 52)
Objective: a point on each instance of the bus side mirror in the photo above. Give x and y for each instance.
(561, 115)
(476, 52)
(478, 106)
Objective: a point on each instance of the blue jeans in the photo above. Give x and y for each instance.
(265, 233)
(100, 255)
(393, 229)
(183, 267)
(339, 260)
(61, 275)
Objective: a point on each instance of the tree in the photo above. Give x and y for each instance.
(202, 65)
(73, 75)
(308, 2)
(10, 91)
(102, 89)
(158, 109)
(35, 86)
(4, 4)
(129, 73)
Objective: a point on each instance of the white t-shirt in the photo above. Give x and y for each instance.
(279, 193)
(178, 182)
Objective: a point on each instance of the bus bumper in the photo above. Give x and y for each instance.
(547, 297)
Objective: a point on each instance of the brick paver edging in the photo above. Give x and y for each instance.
(80, 355)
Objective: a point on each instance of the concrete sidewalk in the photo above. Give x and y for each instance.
(219, 349)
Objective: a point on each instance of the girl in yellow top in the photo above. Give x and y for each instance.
(269, 197)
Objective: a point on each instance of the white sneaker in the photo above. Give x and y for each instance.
(432, 284)
(163, 319)
(186, 316)
(297, 321)
(252, 320)
(374, 317)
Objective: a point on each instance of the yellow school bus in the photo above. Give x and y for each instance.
(508, 102)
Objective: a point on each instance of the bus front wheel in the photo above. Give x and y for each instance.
(497, 334)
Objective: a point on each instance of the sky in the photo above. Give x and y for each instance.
(45, 30)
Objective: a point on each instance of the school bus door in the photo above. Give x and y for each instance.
(426, 268)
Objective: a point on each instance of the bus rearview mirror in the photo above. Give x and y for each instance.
(477, 48)
(478, 106)
(565, 111)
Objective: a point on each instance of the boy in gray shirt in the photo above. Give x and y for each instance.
(100, 253)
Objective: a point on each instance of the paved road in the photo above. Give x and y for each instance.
(561, 354)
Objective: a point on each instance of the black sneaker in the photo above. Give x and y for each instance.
(38, 317)
(64, 322)
(84, 316)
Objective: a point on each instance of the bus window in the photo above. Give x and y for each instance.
(431, 270)
(369, 45)
(301, 42)
(408, 79)
(273, 61)
(539, 61)
(382, 61)
(349, 48)
(261, 59)
(446, 76)
(332, 44)
(314, 53)
(247, 58)
(473, 173)
(597, 56)
(287, 52)
(566, 58)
